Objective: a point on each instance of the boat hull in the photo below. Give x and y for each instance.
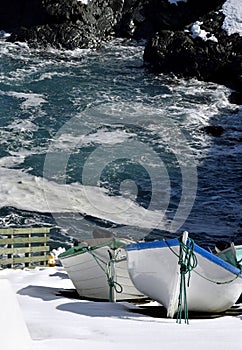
(214, 284)
(89, 271)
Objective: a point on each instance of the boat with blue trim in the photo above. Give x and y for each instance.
(183, 276)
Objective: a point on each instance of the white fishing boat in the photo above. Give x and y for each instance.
(183, 276)
(98, 269)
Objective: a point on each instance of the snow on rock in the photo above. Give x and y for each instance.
(198, 32)
(176, 1)
(232, 9)
(85, 2)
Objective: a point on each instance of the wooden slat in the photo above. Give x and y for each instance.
(25, 230)
(6, 262)
(24, 240)
(22, 250)
(23, 260)
(30, 259)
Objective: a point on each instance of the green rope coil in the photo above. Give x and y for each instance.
(109, 272)
(113, 285)
(188, 262)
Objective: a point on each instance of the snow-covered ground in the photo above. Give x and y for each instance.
(36, 315)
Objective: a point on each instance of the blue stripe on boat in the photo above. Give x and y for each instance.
(218, 261)
(153, 244)
(197, 249)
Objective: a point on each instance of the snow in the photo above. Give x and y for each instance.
(85, 2)
(232, 24)
(176, 1)
(3, 34)
(232, 10)
(31, 298)
(198, 32)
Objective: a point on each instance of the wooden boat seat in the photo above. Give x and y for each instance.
(93, 242)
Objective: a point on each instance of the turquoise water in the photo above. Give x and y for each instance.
(92, 138)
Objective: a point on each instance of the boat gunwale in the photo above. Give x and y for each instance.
(81, 249)
(174, 242)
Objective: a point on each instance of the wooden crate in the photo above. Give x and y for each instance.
(24, 247)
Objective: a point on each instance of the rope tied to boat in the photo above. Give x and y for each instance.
(188, 262)
(113, 285)
(109, 272)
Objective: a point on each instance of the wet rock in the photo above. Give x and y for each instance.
(236, 97)
(213, 130)
(142, 19)
(17, 13)
(68, 24)
(216, 57)
(170, 30)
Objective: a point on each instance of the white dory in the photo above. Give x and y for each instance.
(214, 284)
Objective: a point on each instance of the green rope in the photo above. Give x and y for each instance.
(219, 282)
(113, 285)
(187, 262)
(109, 272)
(239, 262)
(204, 277)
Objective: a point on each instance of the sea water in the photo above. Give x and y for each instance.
(92, 138)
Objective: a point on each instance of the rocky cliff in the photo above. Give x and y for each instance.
(183, 37)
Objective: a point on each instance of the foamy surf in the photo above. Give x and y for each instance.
(32, 193)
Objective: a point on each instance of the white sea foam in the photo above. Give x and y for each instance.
(8, 162)
(103, 136)
(51, 75)
(30, 99)
(22, 125)
(191, 106)
(18, 138)
(27, 192)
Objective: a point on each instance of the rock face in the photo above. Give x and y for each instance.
(215, 57)
(174, 47)
(170, 31)
(144, 18)
(73, 23)
(65, 24)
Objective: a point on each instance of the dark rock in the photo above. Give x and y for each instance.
(174, 52)
(171, 47)
(69, 24)
(17, 13)
(138, 19)
(236, 97)
(213, 130)
(210, 60)
(141, 19)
